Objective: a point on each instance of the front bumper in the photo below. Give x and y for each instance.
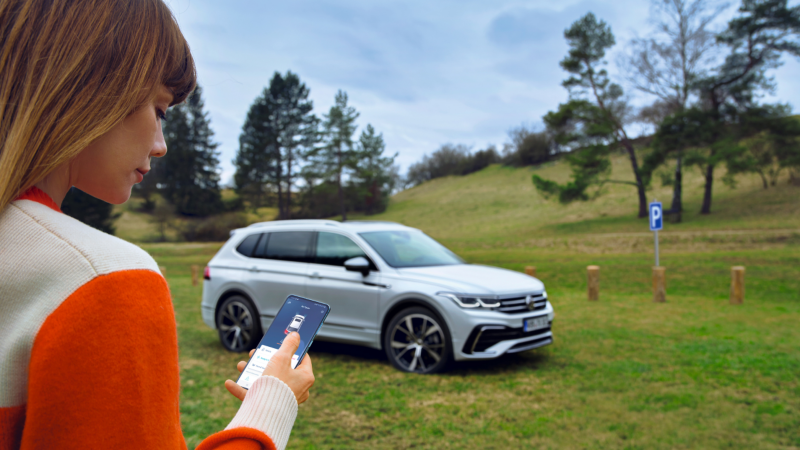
(490, 334)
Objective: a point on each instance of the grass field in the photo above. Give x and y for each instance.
(623, 372)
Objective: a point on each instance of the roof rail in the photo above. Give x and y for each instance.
(296, 222)
(372, 221)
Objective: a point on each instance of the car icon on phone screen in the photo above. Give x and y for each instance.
(297, 321)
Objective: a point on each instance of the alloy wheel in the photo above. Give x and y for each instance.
(236, 326)
(417, 343)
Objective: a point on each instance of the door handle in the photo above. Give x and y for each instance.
(254, 269)
(315, 275)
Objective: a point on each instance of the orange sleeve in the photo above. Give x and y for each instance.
(104, 372)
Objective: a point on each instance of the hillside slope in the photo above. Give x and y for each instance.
(500, 206)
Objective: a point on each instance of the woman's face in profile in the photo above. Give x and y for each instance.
(110, 166)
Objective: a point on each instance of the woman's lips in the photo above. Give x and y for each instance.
(140, 175)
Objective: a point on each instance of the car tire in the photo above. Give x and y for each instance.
(238, 324)
(424, 348)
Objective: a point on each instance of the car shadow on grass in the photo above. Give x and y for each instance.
(354, 351)
(509, 363)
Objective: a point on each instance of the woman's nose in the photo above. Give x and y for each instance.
(159, 146)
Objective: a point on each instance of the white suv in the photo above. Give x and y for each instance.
(389, 286)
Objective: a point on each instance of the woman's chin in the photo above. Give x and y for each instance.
(115, 197)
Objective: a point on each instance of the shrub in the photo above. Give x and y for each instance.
(212, 229)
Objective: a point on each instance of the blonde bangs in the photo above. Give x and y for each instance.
(178, 71)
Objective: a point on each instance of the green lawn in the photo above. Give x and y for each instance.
(623, 372)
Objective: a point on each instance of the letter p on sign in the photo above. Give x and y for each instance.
(656, 216)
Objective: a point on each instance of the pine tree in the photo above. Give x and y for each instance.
(296, 130)
(189, 172)
(278, 131)
(590, 128)
(372, 175)
(89, 210)
(258, 152)
(333, 160)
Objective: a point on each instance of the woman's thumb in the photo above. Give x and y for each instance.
(291, 343)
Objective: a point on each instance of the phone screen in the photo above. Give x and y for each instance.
(297, 314)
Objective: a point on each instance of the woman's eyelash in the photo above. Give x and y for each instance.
(161, 115)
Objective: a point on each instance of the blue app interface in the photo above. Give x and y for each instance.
(297, 314)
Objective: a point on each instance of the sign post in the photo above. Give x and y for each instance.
(656, 222)
(659, 273)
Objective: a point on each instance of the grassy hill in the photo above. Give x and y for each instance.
(500, 206)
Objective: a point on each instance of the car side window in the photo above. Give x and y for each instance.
(261, 248)
(289, 246)
(334, 249)
(248, 244)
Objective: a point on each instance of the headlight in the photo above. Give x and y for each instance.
(470, 301)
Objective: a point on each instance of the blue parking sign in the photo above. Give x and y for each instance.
(656, 216)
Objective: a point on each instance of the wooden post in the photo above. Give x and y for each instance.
(593, 273)
(737, 285)
(530, 271)
(660, 284)
(194, 275)
(163, 271)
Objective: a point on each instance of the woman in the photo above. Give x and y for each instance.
(88, 344)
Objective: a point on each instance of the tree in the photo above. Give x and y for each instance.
(446, 161)
(258, 153)
(92, 211)
(337, 156)
(189, 172)
(591, 123)
(528, 147)
(372, 176)
(773, 143)
(163, 216)
(667, 63)
(295, 132)
(756, 39)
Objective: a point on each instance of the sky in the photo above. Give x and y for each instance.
(423, 73)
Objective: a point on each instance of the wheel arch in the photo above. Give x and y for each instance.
(408, 303)
(230, 293)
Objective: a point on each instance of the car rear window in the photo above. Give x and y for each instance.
(248, 244)
(289, 246)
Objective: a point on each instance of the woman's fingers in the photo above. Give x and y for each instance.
(236, 390)
(299, 380)
(241, 366)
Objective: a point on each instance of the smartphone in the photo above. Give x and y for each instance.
(305, 316)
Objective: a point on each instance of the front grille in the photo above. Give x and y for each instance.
(483, 337)
(522, 304)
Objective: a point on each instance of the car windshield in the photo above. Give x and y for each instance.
(410, 249)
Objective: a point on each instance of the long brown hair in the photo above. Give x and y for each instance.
(70, 70)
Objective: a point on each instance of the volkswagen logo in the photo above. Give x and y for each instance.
(529, 302)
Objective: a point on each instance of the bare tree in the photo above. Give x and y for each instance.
(666, 63)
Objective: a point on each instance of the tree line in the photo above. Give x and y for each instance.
(285, 149)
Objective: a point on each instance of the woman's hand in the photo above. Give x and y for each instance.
(279, 366)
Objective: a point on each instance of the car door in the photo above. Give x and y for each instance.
(352, 296)
(280, 266)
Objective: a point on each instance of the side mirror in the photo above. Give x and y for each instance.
(357, 264)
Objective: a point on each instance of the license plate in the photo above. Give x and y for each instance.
(535, 323)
